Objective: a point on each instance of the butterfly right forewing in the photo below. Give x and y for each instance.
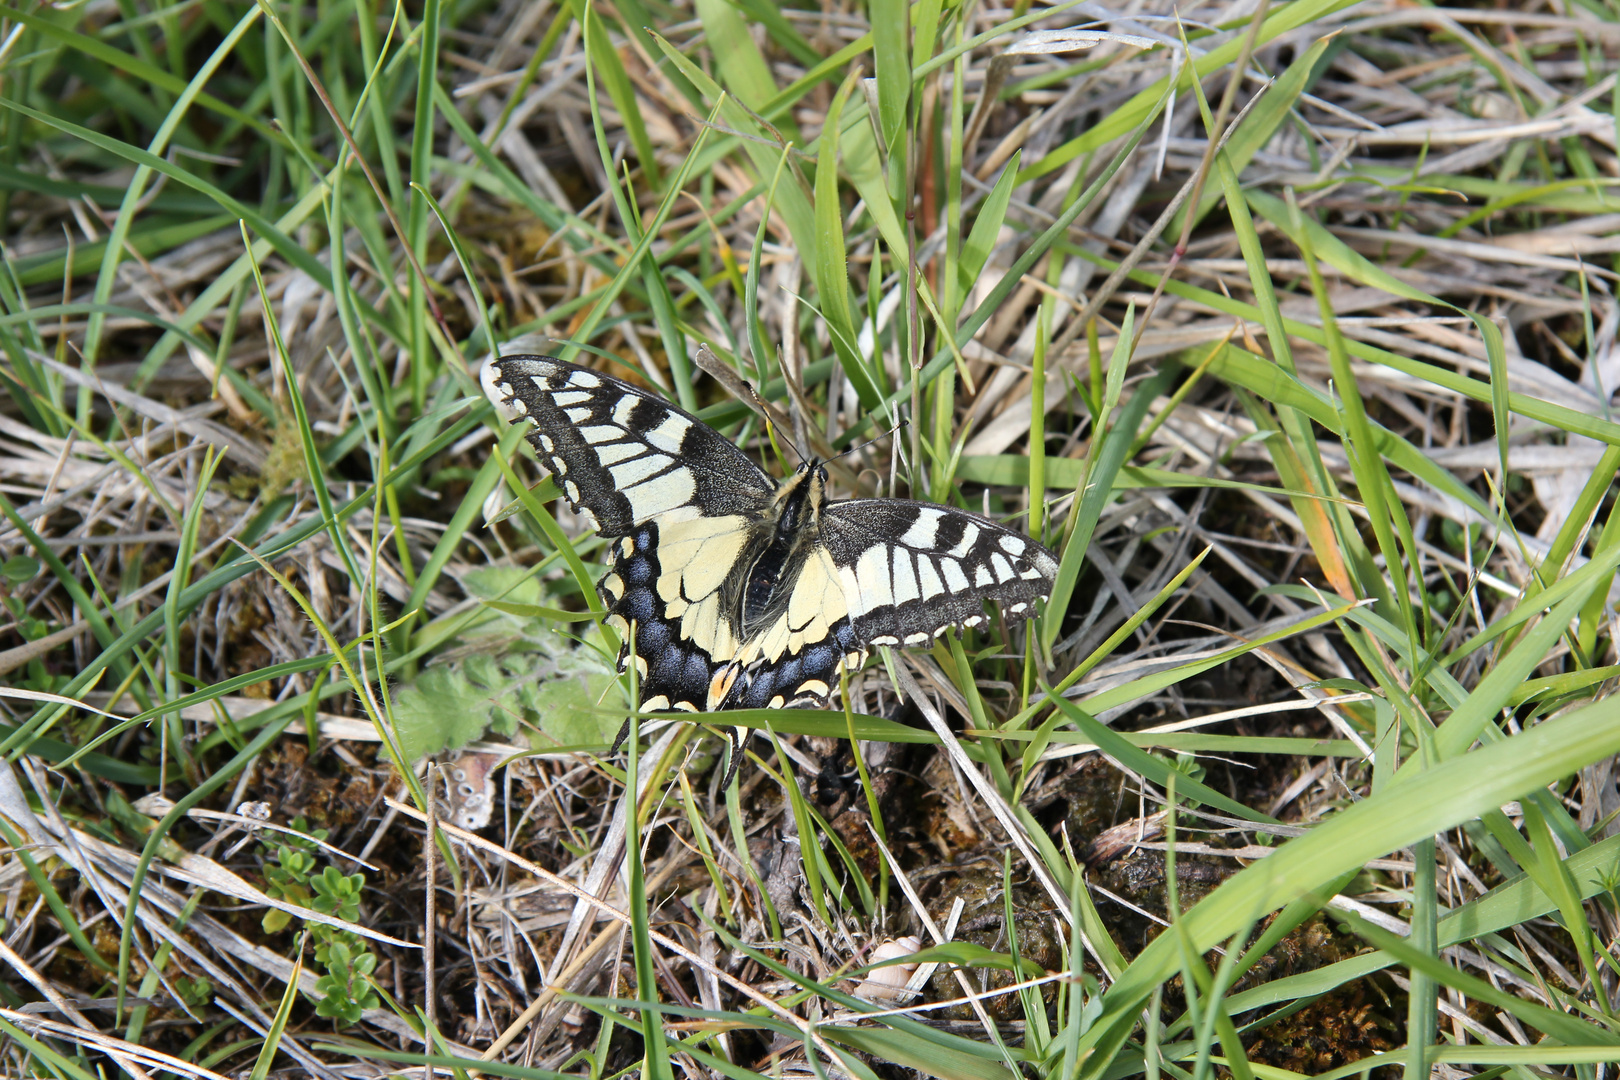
(912, 570)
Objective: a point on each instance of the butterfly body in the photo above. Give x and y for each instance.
(739, 591)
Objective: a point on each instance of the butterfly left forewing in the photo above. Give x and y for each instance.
(620, 453)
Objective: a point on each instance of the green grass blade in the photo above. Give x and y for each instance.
(1260, 123)
(745, 72)
(1454, 791)
(1357, 267)
(891, 56)
(832, 269)
(278, 1024)
(114, 250)
(1109, 449)
(986, 229)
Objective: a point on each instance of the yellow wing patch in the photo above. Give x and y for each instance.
(695, 556)
(706, 626)
(818, 600)
(694, 559)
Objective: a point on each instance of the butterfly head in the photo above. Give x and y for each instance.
(806, 488)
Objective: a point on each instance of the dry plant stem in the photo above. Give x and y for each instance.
(549, 993)
(913, 325)
(430, 907)
(770, 1004)
(611, 853)
(581, 961)
(1233, 82)
(933, 931)
(11, 659)
(125, 1053)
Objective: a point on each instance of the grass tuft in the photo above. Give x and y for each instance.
(1290, 327)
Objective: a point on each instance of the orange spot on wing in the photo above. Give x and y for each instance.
(720, 686)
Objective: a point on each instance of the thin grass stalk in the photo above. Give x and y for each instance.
(874, 811)
(1036, 525)
(757, 345)
(700, 840)
(642, 237)
(1372, 479)
(152, 981)
(596, 46)
(416, 233)
(419, 275)
(656, 1056)
(173, 727)
(107, 277)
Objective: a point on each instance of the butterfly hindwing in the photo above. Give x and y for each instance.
(793, 657)
(680, 643)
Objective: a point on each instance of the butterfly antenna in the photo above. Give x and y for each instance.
(744, 391)
(869, 442)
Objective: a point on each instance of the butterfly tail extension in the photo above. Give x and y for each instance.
(736, 740)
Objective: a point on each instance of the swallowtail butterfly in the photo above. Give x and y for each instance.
(748, 592)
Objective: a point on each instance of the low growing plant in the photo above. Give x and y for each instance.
(346, 989)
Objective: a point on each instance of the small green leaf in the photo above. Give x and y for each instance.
(449, 707)
(18, 569)
(568, 709)
(987, 226)
(443, 710)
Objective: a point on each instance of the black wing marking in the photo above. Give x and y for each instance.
(913, 570)
(620, 453)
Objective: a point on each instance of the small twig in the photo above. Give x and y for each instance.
(430, 923)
